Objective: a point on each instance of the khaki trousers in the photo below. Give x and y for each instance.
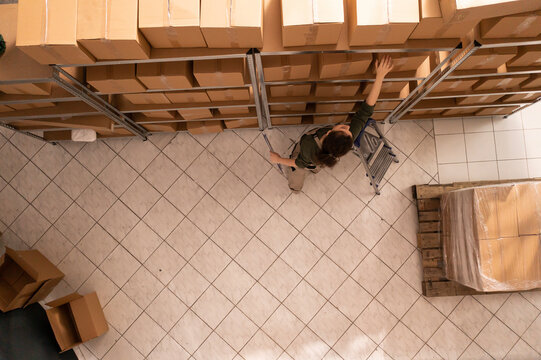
(296, 176)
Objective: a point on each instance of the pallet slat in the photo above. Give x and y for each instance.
(428, 204)
(428, 240)
(429, 216)
(429, 226)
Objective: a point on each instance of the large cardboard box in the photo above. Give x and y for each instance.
(147, 98)
(533, 82)
(35, 105)
(205, 127)
(288, 107)
(455, 85)
(485, 99)
(460, 111)
(93, 122)
(512, 26)
(171, 23)
(159, 114)
(380, 115)
(224, 72)
(161, 127)
(332, 90)
(425, 112)
(311, 22)
(389, 87)
(287, 67)
(76, 319)
(290, 90)
(232, 23)
(26, 88)
(234, 110)
(187, 97)
(166, 75)
(488, 58)
(521, 97)
(5, 108)
(405, 61)
(496, 110)
(229, 95)
(26, 277)
(329, 119)
(114, 79)
(194, 114)
(334, 107)
(335, 65)
(47, 32)
(386, 105)
(499, 82)
(381, 22)
(286, 120)
(527, 56)
(241, 123)
(457, 11)
(108, 29)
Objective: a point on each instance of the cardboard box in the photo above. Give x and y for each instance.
(114, 79)
(335, 65)
(425, 112)
(159, 114)
(499, 82)
(290, 90)
(333, 90)
(388, 87)
(187, 97)
(205, 127)
(166, 75)
(194, 114)
(460, 111)
(286, 120)
(455, 85)
(76, 319)
(26, 277)
(381, 22)
(527, 56)
(405, 61)
(26, 88)
(161, 127)
(229, 95)
(329, 119)
(386, 105)
(311, 22)
(234, 110)
(147, 98)
(171, 23)
(288, 107)
(232, 23)
(488, 58)
(380, 115)
(224, 72)
(496, 110)
(93, 122)
(485, 99)
(47, 32)
(533, 82)
(241, 123)
(512, 26)
(531, 246)
(35, 105)
(287, 67)
(334, 107)
(521, 97)
(528, 208)
(108, 29)
(5, 108)
(457, 11)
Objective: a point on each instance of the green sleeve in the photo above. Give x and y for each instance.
(307, 154)
(360, 118)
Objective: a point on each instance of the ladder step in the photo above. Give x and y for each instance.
(384, 165)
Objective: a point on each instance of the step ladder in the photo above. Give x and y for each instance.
(375, 153)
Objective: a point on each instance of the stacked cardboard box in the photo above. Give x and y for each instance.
(194, 114)
(341, 65)
(288, 107)
(504, 110)
(290, 90)
(229, 95)
(286, 120)
(205, 127)
(521, 97)
(166, 75)
(534, 81)
(159, 114)
(333, 90)
(488, 58)
(460, 111)
(499, 82)
(334, 107)
(406, 61)
(226, 72)
(234, 110)
(512, 26)
(114, 79)
(389, 87)
(527, 56)
(287, 67)
(455, 85)
(329, 119)
(147, 98)
(485, 99)
(161, 127)
(187, 97)
(241, 123)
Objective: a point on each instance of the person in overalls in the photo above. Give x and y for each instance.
(325, 146)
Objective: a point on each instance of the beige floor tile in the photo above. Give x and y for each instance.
(304, 302)
(73, 179)
(30, 181)
(253, 212)
(188, 285)
(393, 249)
(372, 274)
(206, 170)
(190, 331)
(232, 236)
(496, 338)
(351, 299)
(166, 309)
(307, 346)
(117, 176)
(423, 319)
(255, 258)
(212, 307)
(144, 334)
(123, 350)
(210, 260)
(95, 156)
(53, 245)
(401, 343)
(329, 324)
(227, 147)
(298, 209)
(74, 223)
(277, 233)
(214, 348)
(368, 228)
(301, 255)
(141, 241)
(120, 265)
(250, 167)
(283, 335)
(320, 187)
(280, 279)
(470, 316)
(118, 221)
(354, 344)
(121, 312)
(347, 252)
(166, 348)
(258, 304)
(343, 206)
(140, 197)
(97, 244)
(261, 347)
(161, 173)
(273, 188)
(234, 282)
(326, 277)
(51, 202)
(517, 313)
(139, 153)
(184, 194)
(102, 285)
(183, 150)
(229, 191)
(398, 305)
(186, 239)
(376, 321)
(322, 230)
(208, 215)
(30, 226)
(164, 263)
(448, 341)
(100, 345)
(76, 267)
(236, 329)
(163, 218)
(96, 199)
(142, 287)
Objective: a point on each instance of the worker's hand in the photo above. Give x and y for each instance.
(274, 157)
(384, 65)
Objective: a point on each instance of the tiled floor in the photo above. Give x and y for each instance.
(198, 250)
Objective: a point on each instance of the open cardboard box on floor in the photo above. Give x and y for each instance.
(76, 319)
(26, 277)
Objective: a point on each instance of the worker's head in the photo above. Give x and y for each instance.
(337, 143)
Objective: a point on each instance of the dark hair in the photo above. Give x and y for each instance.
(335, 145)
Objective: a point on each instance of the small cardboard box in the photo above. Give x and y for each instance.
(388, 87)
(334, 107)
(533, 82)
(229, 95)
(241, 123)
(329, 119)
(26, 277)
(405, 61)
(290, 90)
(224, 72)
(147, 98)
(287, 67)
(527, 56)
(93, 122)
(194, 114)
(171, 23)
(234, 110)
(205, 127)
(488, 58)
(187, 97)
(286, 120)
(160, 114)
(161, 127)
(47, 32)
(288, 107)
(35, 105)
(166, 75)
(381, 22)
(340, 64)
(512, 26)
(311, 22)
(521, 97)
(460, 111)
(499, 82)
(425, 112)
(485, 99)
(26, 88)
(457, 11)
(455, 85)
(76, 319)
(433, 26)
(332, 90)
(114, 79)
(232, 23)
(108, 29)
(386, 105)
(504, 110)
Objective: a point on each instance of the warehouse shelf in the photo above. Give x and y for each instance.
(142, 120)
(195, 88)
(173, 107)
(66, 109)
(519, 70)
(451, 94)
(57, 95)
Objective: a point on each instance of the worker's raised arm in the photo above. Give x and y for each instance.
(383, 67)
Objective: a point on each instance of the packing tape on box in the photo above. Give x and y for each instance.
(504, 83)
(286, 67)
(524, 25)
(382, 34)
(346, 65)
(311, 36)
(230, 30)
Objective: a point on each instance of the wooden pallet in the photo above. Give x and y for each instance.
(429, 239)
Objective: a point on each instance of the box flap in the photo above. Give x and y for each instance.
(328, 11)
(30, 23)
(215, 13)
(35, 264)
(372, 13)
(430, 9)
(88, 315)
(247, 13)
(297, 12)
(63, 300)
(91, 19)
(403, 11)
(164, 13)
(61, 321)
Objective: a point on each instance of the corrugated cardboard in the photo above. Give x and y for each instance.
(287, 67)
(311, 22)
(455, 85)
(47, 32)
(160, 114)
(386, 105)
(108, 29)
(486, 213)
(380, 115)
(35, 105)
(147, 98)
(496, 110)
(114, 79)
(405, 61)
(485, 99)
(171, 23)
(188, 97)
(521, 97)
(26, 88)
(340, 64)
(490, 257)
(229, 95)
(286, 120)
(527, 56)
(329, 119)
(507, 212)
(93, 122)
(457, 11)
(528, 208)
(76, 319)
(234, 110)
(166, 75)
(512, 26)
(381, 22)
(194, 114)
(488, 58)
(334, 107)
(5, 108)
(26, 277)
(533, 82)
(531, 246)
(425, 112)
(332, 90)
(288, 107)
(161, 127)
(388, 87)
(224, 72)
(290, 90)
(499, 82)
(205, 127)
(232, 23)
(241, 123)
(460, 111)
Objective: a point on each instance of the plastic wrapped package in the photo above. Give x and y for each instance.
(491, 236)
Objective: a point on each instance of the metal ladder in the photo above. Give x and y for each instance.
(375, 153)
